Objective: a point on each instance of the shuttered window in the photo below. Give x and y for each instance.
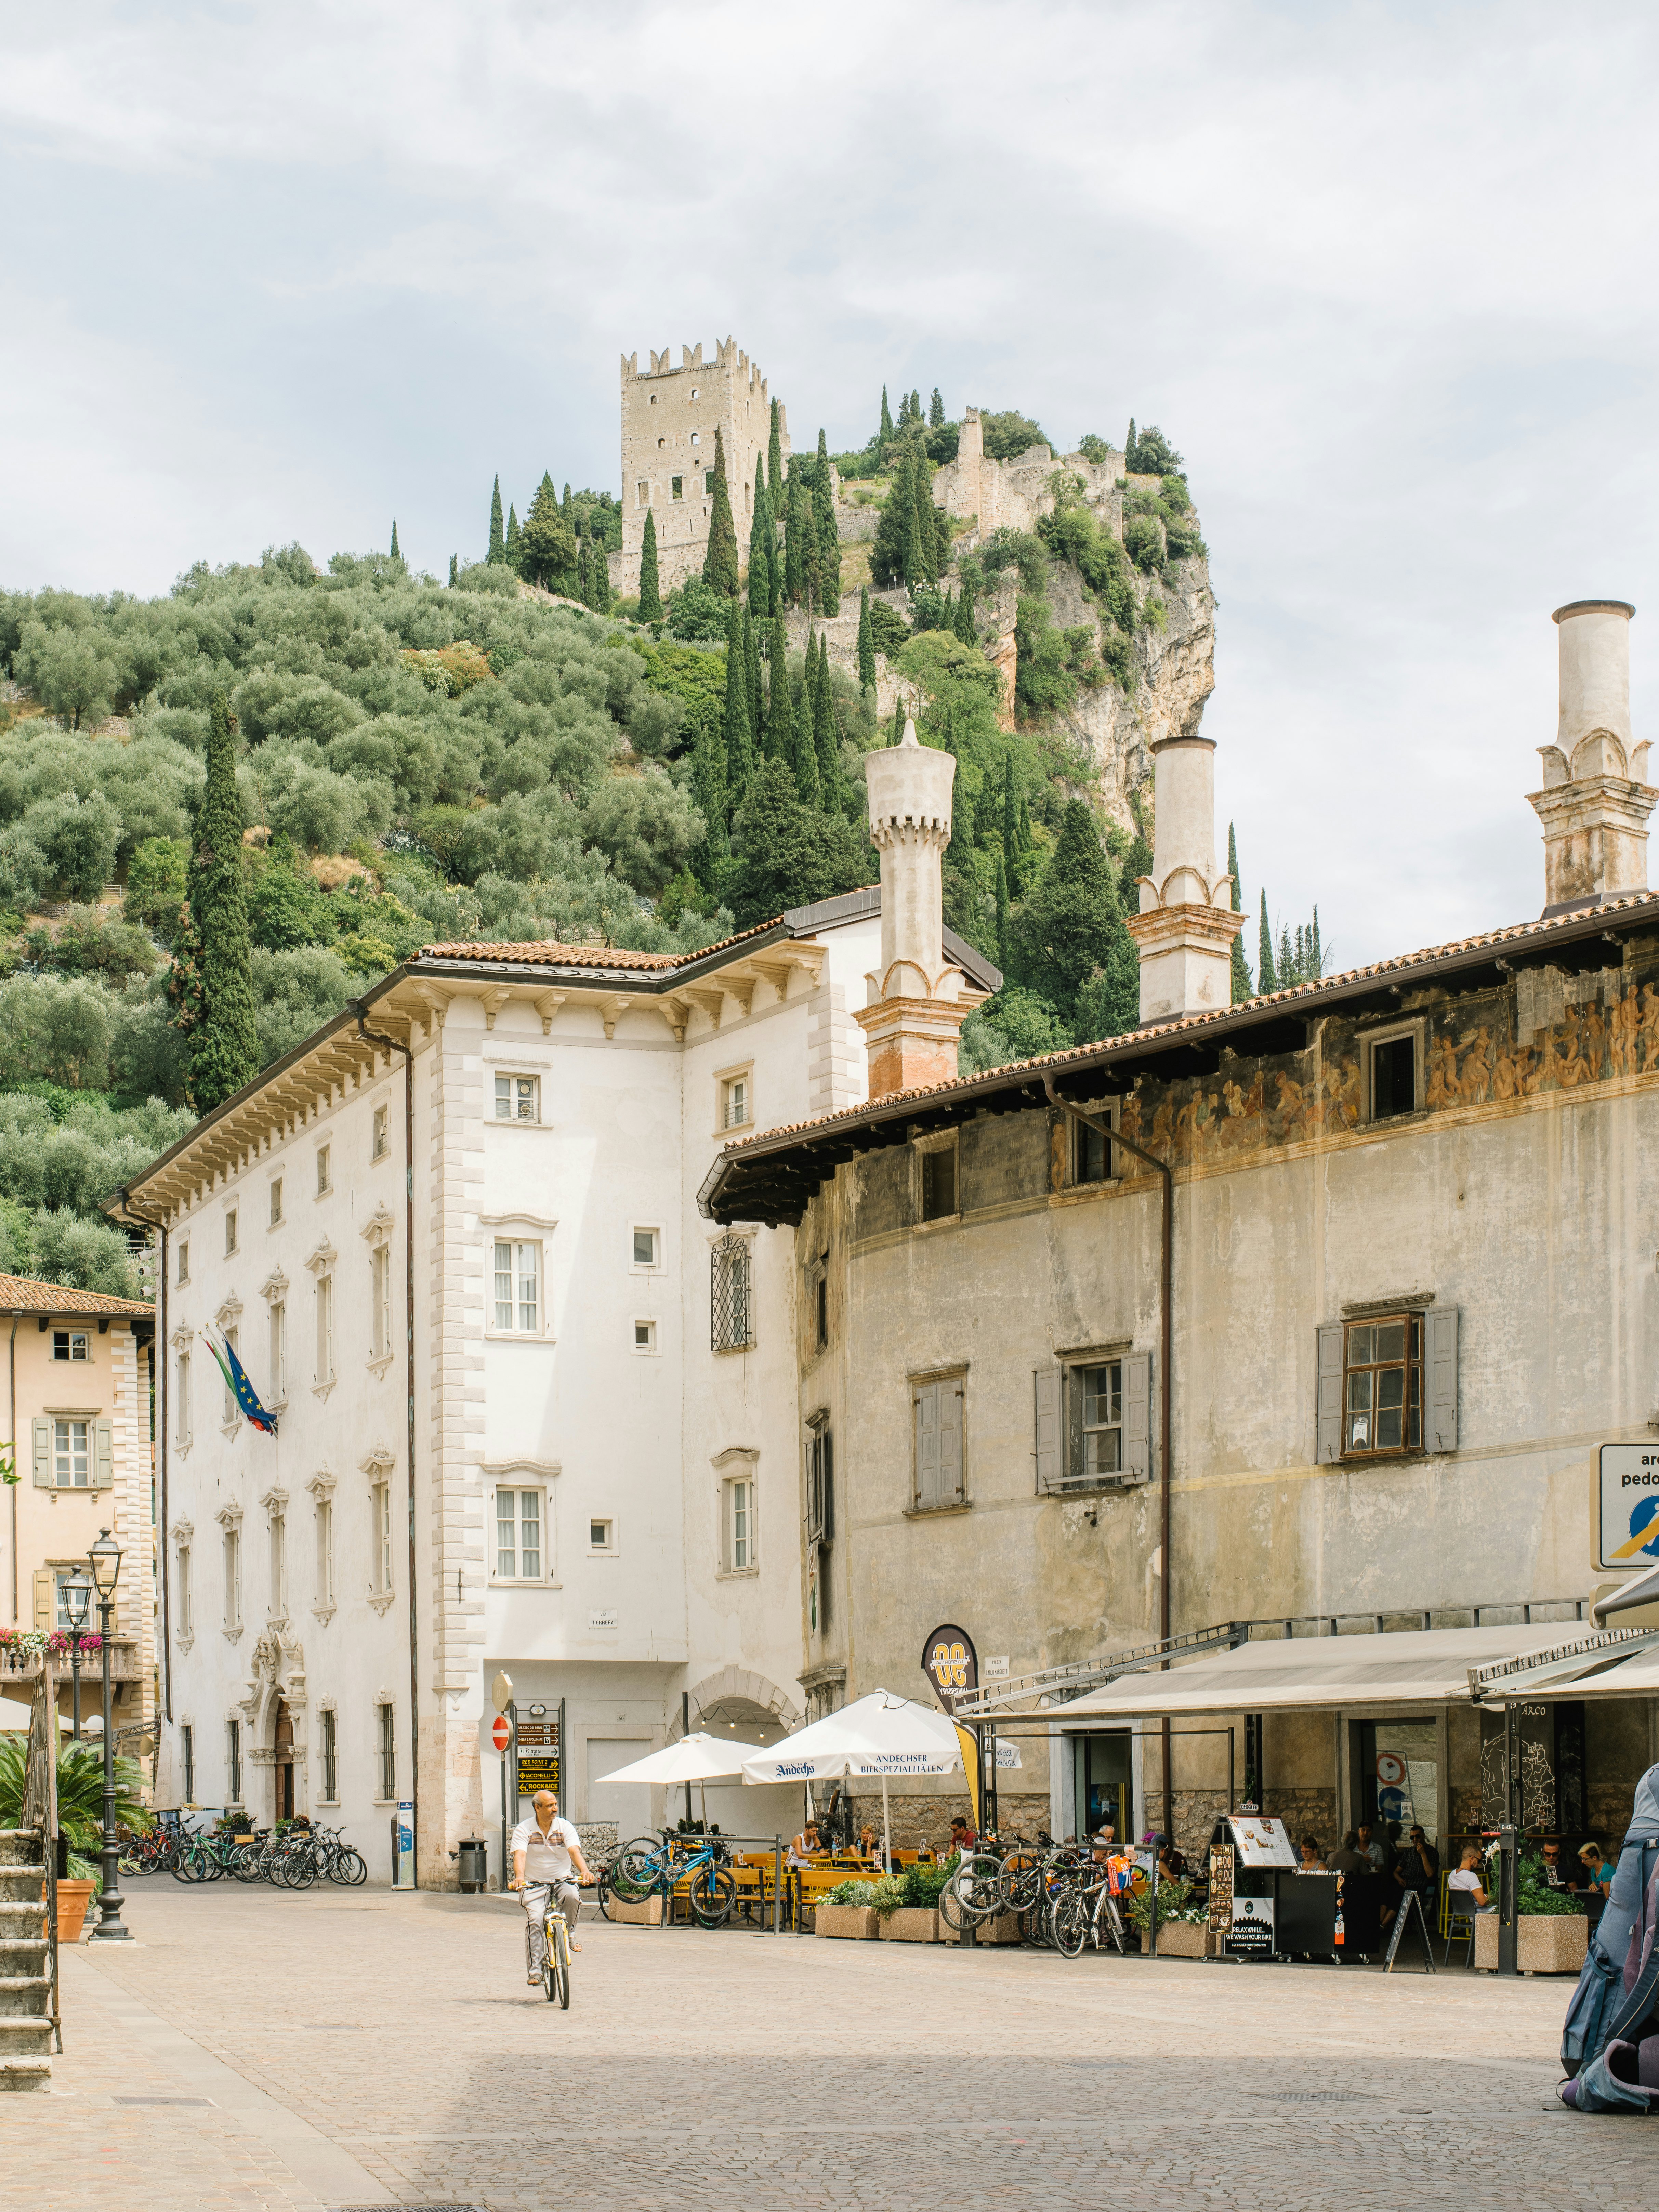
(72, 1454)
(821, 1486)
(1093, 1424)
(938, 1410)
(1387, 1386)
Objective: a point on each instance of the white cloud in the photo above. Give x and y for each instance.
(1379, 271)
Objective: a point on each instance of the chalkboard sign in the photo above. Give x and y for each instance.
(1410, 1904)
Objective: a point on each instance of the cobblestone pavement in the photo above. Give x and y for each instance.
(361, 2048)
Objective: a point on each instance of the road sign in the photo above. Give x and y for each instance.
(500, 1691)
(501, 1733)
(1629, 1505)
(536, 1774)
(951, 1664)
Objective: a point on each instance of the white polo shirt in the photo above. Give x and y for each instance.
(546, 1858)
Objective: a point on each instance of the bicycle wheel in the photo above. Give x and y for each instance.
(300, 1872)
(973, 1892)
(130, 1863)
(636, 1870)
(187, 1868)
(350, 1868)
(556, 1974)
(1021, 1881)
(712, 1891)
(1071, 1926)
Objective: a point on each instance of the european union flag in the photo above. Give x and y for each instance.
(240, 1388)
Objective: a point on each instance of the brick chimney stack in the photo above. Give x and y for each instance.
(919, 999)
(1596, 799)
(1186, 926)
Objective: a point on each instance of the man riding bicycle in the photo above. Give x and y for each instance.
(544, 1850)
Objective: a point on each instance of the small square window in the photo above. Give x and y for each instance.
(382, 1143)
(184, 1260)
(1393, 1078)
(695, 394)
(518, 1098)
(642, 493)
(697, 437)
(275, 1201)
(645, 1248)
(734, 1103)
(1383, 1391)
(645, 1336)
(230, 1231)
(677, 486)
(69, 1344)
(601, 1535)
(939, 1183)
(322, 1169)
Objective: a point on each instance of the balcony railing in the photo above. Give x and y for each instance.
(23, 1656)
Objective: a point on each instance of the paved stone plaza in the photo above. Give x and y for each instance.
(264, 2050)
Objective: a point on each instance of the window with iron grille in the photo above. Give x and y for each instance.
(234, 1759)
(188, 1753)
(388, 1751)
(731, 1308)
(821, 1486)
(331, 1755)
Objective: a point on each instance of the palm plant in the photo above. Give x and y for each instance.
(80, 1797)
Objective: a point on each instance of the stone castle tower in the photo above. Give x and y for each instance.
(669, 417)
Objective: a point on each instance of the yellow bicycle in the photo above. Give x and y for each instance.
(556, 1963)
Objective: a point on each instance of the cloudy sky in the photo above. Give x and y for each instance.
(1384, 273)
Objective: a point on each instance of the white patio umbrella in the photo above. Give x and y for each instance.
(877, 1735)
(696, 1758)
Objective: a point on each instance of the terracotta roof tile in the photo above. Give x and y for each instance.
(1297, 994)
(33, 1296)
(549, 953)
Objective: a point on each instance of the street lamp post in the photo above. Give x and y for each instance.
(104, 1560)
(78, 1603)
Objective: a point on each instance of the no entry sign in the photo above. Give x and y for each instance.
(501, 1735)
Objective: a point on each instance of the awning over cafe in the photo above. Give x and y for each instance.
(1413, 1667)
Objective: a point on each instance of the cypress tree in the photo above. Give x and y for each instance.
(763, 538)
(779, 715)
(774, 459)
(510, 547)
(825, 742)
(547, 550)
(1241, 984)
(794, 542)
(451, 570)
(224, 1046)
(1265, 981)
(866, 643)
(601, 577)
(898, 722)
(396, 554)
(650, 602)
(886, 419)
(720, 567)
(1027, 842)
(708, 784)
(804, 759)
(887, 550)
(584, 573)
(1130, 460)
(1010, 824)
(1316, 956)
(823, 513)
(752, 656)
(936, 411)
(497, 552)
(1002, 914)
(926, 526)
(1069, 936)
(962, 615)
(740, 734)
(564, 506)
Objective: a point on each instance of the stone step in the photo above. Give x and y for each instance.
(23, 1996)
(19, 1847)
(24, 1917)
(22, 1957)
(19, 1883)
(24, 2074)
(26, 2038)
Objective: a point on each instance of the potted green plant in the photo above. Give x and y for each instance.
(1552, 1927)
(915, 1918)
(856, 1909)
(1178, 1930)
(80, 1817)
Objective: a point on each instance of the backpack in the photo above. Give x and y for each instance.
(1610, 2040)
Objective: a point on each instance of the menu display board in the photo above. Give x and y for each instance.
(1221, 1888)
(1250, 1935)
(1261, 1842)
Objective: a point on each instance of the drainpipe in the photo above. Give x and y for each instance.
(1166, 1339)
(161, 1418)
(377, 1036)
(17, 1471)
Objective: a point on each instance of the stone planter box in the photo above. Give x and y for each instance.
(1546, 1942)
(911, 1923)
(1000, 1928)
(860, 1922)
(1177, 1939)
(646, 1913)
(74, 1902)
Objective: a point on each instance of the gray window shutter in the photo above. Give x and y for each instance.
(1137, 1415)
(103, 1464)
(1440, 1379)
(42, 1432)
(828, 1486)
(1045, 1386)
(951, 1403)
(927, 1446)
(1328, 1419)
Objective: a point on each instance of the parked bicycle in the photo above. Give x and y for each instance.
(653, 1866)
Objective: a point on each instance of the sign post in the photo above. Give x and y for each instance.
(501, 1735)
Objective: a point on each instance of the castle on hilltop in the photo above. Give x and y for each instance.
(669, 418)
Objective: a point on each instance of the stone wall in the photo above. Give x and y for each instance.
(918, 1823)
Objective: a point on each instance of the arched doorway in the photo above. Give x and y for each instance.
(282, 1770)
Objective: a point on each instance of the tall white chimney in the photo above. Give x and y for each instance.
(919, 999)
(1186, 926)
(1596, 799)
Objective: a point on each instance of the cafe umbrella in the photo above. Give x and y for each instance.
(696, 1758)
(873, 1737)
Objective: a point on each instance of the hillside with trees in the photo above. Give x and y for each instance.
(225, 812)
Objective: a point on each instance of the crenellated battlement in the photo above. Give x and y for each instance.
(729, 357)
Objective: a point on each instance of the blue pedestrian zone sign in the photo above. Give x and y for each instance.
(1629, 1505)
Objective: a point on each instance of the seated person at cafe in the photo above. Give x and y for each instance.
(869, 1843)
(1598, 1871)
(806, 1845)
(1417, 1866)
(1350, 1859)
(1374, 1847)
(1172, 1866)
(963, 1838)
(1313, 1859)
(1467, 1878)
(1553, 1874)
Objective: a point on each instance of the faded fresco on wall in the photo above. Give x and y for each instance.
(1547, 1031)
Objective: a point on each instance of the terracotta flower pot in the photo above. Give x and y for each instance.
(74, 1900)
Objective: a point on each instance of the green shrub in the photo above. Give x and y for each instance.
(885, 1895)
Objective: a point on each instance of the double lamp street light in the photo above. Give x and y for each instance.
(104, 1560)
